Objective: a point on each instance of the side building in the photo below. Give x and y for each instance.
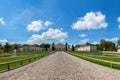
(35, 47)
(86, 48)
(32, 48)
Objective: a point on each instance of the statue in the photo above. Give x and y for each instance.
(14, 52)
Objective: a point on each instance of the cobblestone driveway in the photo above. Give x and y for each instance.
(62, 66)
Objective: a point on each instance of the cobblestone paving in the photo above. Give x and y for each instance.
(62, 66)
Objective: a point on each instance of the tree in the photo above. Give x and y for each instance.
(53, 48)
(0, 44)
(0, 48)
(46, 46)
(77, 45)
(66, 46)
(73, 48)
(88, 43)
(107, 45)
(26, 45)
(15, 46)
(6, 47)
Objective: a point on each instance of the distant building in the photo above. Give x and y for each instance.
(35, 47)
(86, 48)
(31, 48)
(20, 48)
(60, 47)
(118, 46)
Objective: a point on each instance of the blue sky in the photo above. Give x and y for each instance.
(59, 21)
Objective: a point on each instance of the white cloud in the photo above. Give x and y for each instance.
(118, 19)
(30, 41)
(95, 43)
(82, 35)
(84, 41)
(49, 34)
(119, 26)
(112, 39)
(3, 41)
(61, 28)
(91, 20)
(37, 25)
(2, 21)
(47, 23)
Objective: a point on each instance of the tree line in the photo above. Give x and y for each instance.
(10, 47)
(104, 45)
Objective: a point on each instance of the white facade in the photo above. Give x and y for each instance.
(118, 50)
(86, 48)
(60, 47)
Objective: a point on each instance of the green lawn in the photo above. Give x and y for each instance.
(87, 53)
(13, 58)
(18, 64)
(106, 58)
(90, 54)
(25, 55)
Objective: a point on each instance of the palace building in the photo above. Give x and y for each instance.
(86, 48)
(60, 47)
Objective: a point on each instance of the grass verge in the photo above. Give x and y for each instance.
(33, 57)
(81, 55)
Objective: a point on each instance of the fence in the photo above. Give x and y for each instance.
(101, 62)
(7, 66)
